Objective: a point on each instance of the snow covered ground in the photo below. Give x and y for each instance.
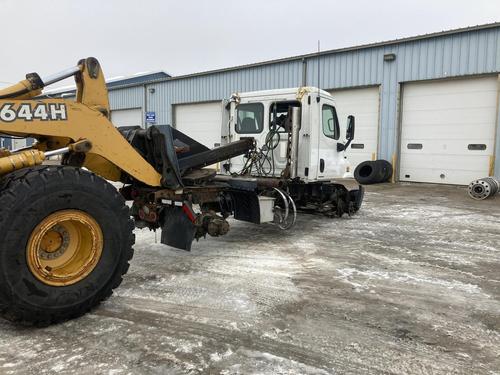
(410, 285)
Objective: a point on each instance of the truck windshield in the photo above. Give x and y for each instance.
(250, 118)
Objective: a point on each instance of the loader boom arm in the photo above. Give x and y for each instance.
(56, 123)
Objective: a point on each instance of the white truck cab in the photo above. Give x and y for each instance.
(268, 117)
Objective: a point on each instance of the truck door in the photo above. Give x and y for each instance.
(329, 159)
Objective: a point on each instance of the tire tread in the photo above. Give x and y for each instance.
(20, 182)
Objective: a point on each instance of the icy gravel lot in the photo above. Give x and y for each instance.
(411, 285)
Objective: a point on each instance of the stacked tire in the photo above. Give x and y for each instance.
(373, 172)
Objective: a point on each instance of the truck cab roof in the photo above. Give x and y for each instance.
(296, 92)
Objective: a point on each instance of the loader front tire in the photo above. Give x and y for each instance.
(66, 242)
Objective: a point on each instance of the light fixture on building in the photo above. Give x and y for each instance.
(152, 90)
(389, 57)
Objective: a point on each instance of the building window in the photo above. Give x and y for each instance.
(330, 121)
(250, 119)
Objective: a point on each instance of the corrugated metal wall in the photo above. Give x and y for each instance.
(476, 52)
(450, 55)
(131, 97)
(219, 86)
(126, 98)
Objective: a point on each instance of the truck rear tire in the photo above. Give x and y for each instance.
(67, 239)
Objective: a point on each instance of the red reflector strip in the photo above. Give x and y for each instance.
(187, 210)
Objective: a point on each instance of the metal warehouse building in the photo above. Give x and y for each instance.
(428, 103)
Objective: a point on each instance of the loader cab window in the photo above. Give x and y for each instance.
(330, 121)
(250, 118)
(279, 115)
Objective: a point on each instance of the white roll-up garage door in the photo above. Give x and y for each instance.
(127, 117)
(448, 130)
(364, 105)
(200, 121)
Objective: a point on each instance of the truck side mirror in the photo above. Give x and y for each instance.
(349, 134)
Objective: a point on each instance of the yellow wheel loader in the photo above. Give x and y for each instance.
(67, 233)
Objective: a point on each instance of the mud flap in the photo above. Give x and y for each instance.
(357, 196)
(178, 229)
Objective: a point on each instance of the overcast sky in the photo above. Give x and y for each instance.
(182, 36)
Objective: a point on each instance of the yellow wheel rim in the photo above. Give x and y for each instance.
(64, 248)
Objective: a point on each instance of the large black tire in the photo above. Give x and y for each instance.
(27, 197)
(368, 172)
(386, 169)
(373, 172)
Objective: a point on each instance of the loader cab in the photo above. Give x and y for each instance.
(267, 117)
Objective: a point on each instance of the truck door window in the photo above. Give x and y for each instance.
(250, 119)
(330, 121)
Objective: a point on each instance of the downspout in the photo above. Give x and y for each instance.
(304, 72)
(145, 106)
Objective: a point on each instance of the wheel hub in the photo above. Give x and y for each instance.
(54, 243)
(64, 248)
